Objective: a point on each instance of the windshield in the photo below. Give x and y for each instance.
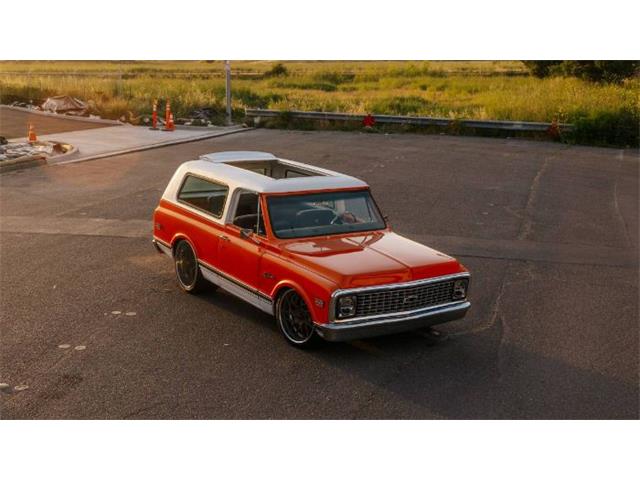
(295, 216)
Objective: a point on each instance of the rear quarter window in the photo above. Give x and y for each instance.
(203, 194)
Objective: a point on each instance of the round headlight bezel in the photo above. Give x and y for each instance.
(460, 288)
(346, 306)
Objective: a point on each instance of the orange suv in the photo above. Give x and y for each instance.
(305, 244)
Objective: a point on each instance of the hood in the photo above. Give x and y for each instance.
(370, 259)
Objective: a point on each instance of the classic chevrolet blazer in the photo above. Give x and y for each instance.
(304, 244)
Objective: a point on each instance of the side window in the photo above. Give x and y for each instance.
(203, 194)
(248, 213)
(294, 174)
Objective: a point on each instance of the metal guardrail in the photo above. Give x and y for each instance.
(405, 120)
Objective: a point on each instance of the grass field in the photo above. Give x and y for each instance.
(498, 90)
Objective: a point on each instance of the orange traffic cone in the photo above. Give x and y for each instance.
(154, 117)
(170, 126)
(32, 134)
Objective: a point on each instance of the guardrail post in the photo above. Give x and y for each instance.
(227, 72)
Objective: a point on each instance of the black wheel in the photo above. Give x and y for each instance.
(187, 271)
(294, 320)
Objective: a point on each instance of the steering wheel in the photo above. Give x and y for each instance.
(339, 219)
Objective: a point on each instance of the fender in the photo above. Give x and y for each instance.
(319, 314)
(182, 236)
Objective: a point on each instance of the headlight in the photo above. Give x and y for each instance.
(346, 306)
(460, 289)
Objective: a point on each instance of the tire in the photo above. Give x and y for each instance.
(294, 320)
(188, 273)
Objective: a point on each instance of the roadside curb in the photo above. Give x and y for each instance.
(68, 154)
(19, 163)
(35, 160)
(53, 161)
(62, 116)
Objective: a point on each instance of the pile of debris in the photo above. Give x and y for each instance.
(14, 150)
(62, 104)
(66, 105)
(200, 117)
(29, 105)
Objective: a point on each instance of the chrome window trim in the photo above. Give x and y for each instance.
(391, 286)
(321, 192)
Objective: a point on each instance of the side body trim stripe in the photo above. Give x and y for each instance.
(230, 284)
(237, 288)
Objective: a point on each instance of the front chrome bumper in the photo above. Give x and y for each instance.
(345, 331)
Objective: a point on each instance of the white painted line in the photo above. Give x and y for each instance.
(101, 227)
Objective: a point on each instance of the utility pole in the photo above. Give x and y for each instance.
(227, 74)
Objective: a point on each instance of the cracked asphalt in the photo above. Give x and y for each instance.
(549, 232)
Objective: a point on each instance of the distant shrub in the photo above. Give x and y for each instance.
(597, 70)
(278, 70)
(607, 129)
(540, 68)
(592, 70)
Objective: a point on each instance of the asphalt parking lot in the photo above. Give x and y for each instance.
(549, 232)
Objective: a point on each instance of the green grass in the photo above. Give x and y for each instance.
(604, 113)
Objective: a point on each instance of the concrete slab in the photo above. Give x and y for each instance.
(117, 140)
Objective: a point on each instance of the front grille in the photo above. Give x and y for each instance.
(403, 299)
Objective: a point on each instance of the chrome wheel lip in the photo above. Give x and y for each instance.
(179, 258)
(285, 324)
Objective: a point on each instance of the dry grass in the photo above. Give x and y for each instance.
(478, 90)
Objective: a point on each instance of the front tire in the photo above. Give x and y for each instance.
(188, 272)
(294, 320)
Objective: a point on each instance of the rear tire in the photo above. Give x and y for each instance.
(294, 320)
(188, 272)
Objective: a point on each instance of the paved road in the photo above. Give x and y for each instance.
(549, 232)
(15, 123)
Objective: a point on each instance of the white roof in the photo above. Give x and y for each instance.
(239, 155)
(215, 166)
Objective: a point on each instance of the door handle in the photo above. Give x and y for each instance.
(223, 237)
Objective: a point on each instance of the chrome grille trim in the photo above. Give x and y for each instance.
(387, 301)
(404, 299)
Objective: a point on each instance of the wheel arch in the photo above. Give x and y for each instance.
(285, 285)
(177, 238)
